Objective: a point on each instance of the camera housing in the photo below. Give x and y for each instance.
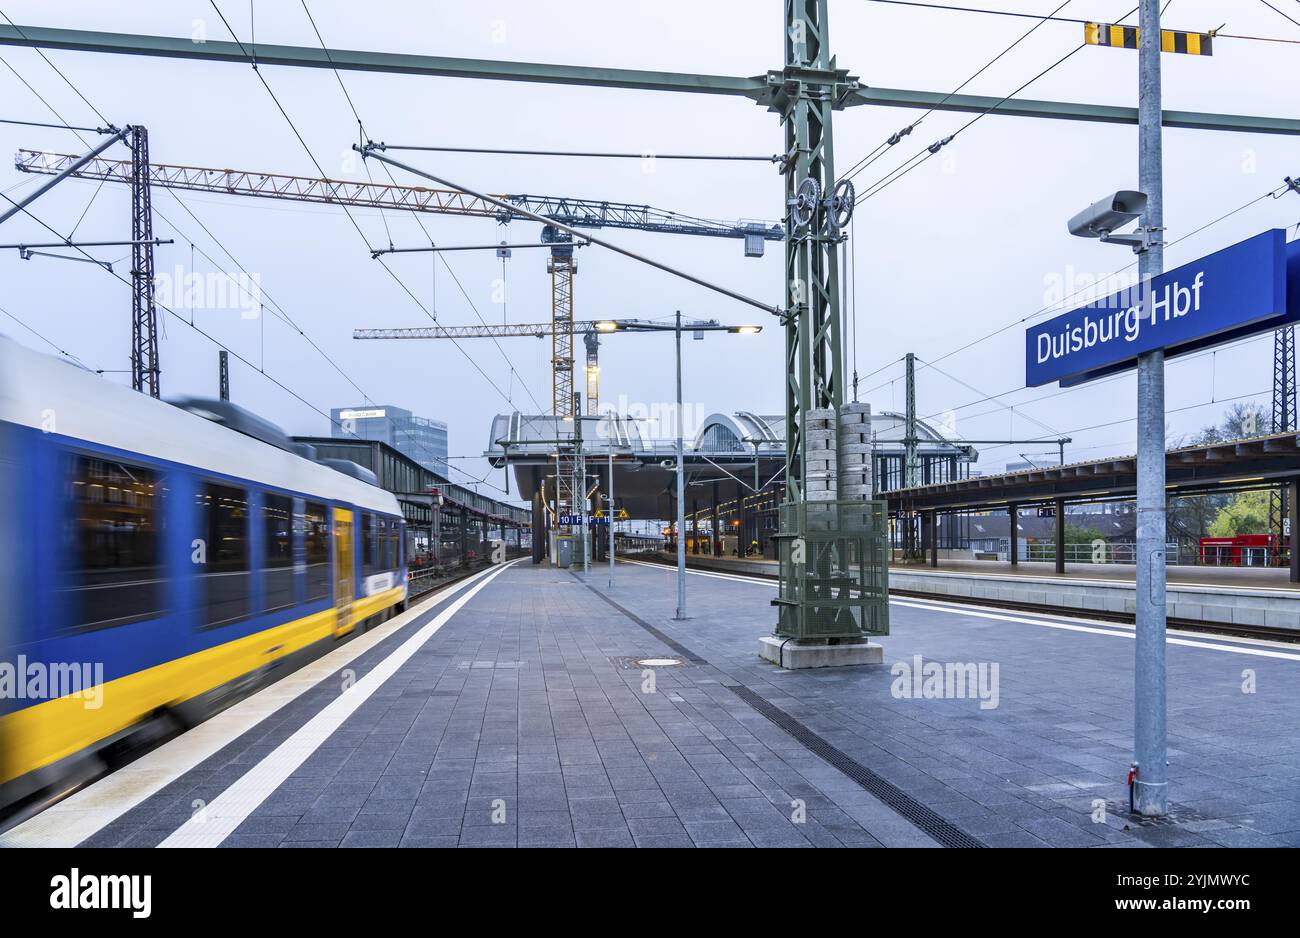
(1109, 214)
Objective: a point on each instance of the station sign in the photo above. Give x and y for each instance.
(1239, 291)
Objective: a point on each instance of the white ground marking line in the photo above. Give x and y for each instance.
(1205, 587)
(233, 806)
(1200, 638)
(70, 821)
(1130, 633)
(1113, 629)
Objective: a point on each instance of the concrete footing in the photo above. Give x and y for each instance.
(793, 655)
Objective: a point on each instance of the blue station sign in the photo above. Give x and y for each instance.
(1233, 293)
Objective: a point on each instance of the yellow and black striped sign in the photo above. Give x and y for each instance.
(1126, 37)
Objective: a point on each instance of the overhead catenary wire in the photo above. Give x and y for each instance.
(39, 51)
(995, 398)
(1060, 303)
(311, 155)
(171, 311)
(44, 338)
(1109, 379)
(432, 315)
(933, 149)
(894, 139)
(1280, 13)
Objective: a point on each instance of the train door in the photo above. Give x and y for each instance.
(344, 571)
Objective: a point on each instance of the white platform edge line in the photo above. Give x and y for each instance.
(1130, 634)
(218, 820)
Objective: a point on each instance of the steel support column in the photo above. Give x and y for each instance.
(1060, 535)
(539, 527)
(714, 534)
(1013, 513)
(934, 539)
(806, 93)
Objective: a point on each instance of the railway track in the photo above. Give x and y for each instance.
(1269, 633)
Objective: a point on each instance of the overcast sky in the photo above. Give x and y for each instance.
(968, 243)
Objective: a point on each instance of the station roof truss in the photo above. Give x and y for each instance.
(1232, 465)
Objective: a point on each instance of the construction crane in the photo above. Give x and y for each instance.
(584, 213)
(590, 330)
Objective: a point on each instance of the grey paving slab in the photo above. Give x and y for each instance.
(520, 724)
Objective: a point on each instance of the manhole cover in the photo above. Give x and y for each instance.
(633, 663)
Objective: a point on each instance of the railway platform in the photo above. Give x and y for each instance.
(528, 706)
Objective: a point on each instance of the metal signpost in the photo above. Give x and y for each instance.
(1237, 291)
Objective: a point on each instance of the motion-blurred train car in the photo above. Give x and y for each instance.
(159, 560)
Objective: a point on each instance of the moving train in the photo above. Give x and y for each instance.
(160, 560)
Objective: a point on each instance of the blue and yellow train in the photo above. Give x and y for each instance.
(157, 561)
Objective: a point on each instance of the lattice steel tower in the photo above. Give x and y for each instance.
(144, 313)
(1284, 418)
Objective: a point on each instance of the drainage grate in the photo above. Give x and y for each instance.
(942, 830)
(675, 646)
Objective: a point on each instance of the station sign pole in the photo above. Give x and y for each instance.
(1151, 780)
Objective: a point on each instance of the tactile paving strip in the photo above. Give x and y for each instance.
(926, 820)
(675, 646)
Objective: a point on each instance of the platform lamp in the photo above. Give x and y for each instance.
(677, 326)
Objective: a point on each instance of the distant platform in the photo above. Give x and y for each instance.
(1249, 599)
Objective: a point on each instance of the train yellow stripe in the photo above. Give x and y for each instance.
(43, 734)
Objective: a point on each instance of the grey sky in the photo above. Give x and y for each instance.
(966, 244)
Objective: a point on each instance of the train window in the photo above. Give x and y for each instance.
(385, 545)
(277, 551)
(367, 544)
(316, 550)
(224, 584)
(111, 543)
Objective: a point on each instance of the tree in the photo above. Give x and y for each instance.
(1240, 421)
(1193, 517)
(1246, 513)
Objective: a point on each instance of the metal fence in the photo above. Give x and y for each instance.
(1095, 553)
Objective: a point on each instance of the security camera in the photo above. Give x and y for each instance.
(668, 463)
(1113, 212)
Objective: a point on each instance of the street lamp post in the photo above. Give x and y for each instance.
(612, 431)
(681, 484)
(712, 325)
